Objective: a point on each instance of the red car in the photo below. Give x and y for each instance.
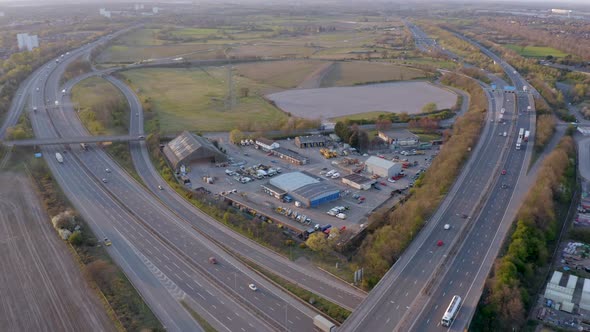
(440, 243)
(503, 172)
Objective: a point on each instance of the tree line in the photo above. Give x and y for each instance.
(518, 275)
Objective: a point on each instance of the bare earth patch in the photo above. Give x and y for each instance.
(395, 97)
(42, 287)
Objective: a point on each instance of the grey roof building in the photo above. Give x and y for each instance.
(188, 147)
(292, 181)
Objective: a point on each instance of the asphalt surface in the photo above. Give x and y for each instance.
(306, 277)
(101, 212)
(58, 119)
(187, 260)
(465, 275)
(41, 285)
(401, 300)
(482, 243)
(388, 304)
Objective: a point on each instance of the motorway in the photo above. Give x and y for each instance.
(401, 300)
(144, 226)
(135, 206)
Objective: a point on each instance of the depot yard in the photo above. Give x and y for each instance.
(357, 204)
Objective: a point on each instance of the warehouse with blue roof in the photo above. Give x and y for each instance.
(310, 191)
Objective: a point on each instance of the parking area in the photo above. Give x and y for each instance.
(248, 169)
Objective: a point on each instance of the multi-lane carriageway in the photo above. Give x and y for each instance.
(164, 258)
(90, 171)
(121, 203)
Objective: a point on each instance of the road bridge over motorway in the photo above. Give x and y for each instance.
(72, 140)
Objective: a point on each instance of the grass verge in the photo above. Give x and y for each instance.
(204, 324)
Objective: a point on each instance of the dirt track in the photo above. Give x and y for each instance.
(41, 287)
(314, 80)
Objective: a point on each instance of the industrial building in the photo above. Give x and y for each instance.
(273, 191)
(357, 181)
(266, 144)
(310, 141)
(188, 147)
(560, 290)
(310, 191)
(399, 137)
(382, 167)
(290, 156)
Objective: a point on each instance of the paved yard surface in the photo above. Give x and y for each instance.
(395, 97)
(41, 287)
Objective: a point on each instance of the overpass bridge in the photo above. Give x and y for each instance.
(73, 140)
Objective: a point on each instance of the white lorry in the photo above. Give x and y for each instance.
(323, 324)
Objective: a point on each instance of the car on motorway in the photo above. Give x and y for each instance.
(107, 170)
(439, 243)
(107, 242)
(141, 137)
(212, 260)
(503, 172)
(447, 226)
(104, 180)
(253, 287)
(160, 187)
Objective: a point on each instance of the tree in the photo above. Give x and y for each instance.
(383, 124)
(342, 130)
(76, 238)
(354, 139)
(235, 136)
(317, 241)
(404, 117)
(429, 108)
(363, 141)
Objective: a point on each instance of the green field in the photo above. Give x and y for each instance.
(103, 108)
(536, 51)
(353, 73)
(194, 99)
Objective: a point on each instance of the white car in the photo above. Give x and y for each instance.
(335, 175)
(447, 227)
(330, 173)
(252, 287)
(341, 216)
